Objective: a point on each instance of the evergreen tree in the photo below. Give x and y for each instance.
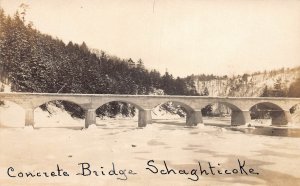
(207, 110)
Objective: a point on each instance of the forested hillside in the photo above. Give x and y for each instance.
(34, 62)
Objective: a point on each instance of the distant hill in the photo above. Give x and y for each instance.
(247, 85)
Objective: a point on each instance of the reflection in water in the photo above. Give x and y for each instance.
(270, 131)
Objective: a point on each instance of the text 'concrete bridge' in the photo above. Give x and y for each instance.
(240, 106)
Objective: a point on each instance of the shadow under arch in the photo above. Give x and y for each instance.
(63, 113)
(12, 114)
(57, 100)
(267, 105)
(176, 103)
(230, 105)
(270, 111)
(115, 107)
(121, 101)
(175, 108)
(223, 113)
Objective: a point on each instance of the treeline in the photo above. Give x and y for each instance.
(271, 73)
(205, 77)
(34, 62)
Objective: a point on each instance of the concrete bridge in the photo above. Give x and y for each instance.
(240, 106)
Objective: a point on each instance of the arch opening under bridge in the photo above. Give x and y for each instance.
(225, 112)
(12, 114)
(59, 113)
(264, 111)
(117, 109)
(167, 111)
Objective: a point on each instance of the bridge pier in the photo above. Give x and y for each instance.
(29, 117)
(281, 117)
(193, 118)
(144, 117)
(240, 117)
(90, 117)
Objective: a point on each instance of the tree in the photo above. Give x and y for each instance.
(207, 110)
(279, 89)
(205, 92)
(140, 64)
(294, 90)
(245, 78)
(266, 92)
(83, 47)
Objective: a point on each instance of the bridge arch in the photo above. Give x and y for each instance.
(12, 101)
(237, 115)
(121, 101)
(268, 105)
(232, 106)
(187, 107)
(12, 114)
(120, 106)
(269, 110)
(42, 102)
(70, 112)
(193, 117)
(144, 115)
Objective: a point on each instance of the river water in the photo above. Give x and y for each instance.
(262, 127)
(270, 131)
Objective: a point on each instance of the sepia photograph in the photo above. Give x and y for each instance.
(149, 92)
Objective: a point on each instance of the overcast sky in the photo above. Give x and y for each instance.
(185, 37)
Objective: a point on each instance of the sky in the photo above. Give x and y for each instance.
(184, 37)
